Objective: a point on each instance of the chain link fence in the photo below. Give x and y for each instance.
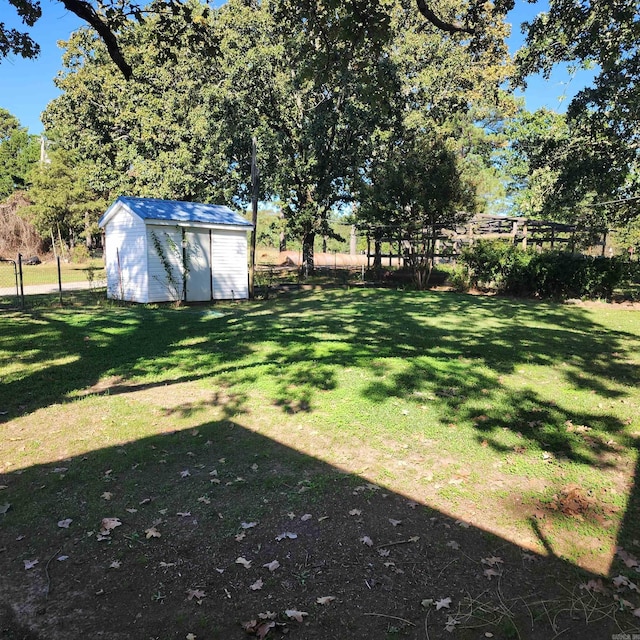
(22, 279)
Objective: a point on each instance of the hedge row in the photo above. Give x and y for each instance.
(547, 274)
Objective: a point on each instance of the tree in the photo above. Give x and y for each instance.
(109, 17)
(530, 162)
(63, 206)
(312, 90)
(158, 135)
(18, 152)
(17, 42)
(556, 170)
(427, 164)
(326, 93)
(604, 119)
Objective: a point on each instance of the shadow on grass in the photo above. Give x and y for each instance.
(190, 504)
(449, 351)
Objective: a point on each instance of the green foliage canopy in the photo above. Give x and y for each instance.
(18, 152)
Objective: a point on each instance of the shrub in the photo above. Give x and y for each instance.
(547, 274)
(80, 254)
(458, 278)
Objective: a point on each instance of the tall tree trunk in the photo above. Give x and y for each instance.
(283, 235)
(377, 256)
(88, 238)
(308, 241)
(430, 252)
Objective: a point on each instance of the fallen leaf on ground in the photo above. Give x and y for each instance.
(184, 474)
(62, 558)
(131, 510)
(395, 523)
(367, 540)
(184, 514)
(268, 615)
(152, 532)
(108, 524)
(195, 594)
(29, 564)
(623, 581)
(295, 614)
(244, 562)
(248, 525)
(115, 564)
(107, 495)
(597, 586)
(257, 585)
(191, 636)
(64, 524)
(355, 512)
(305, 517)
(492, 561)
(259, 629)
(287, 534)
(490, 573)
(453, 544)
(240, 536)
(325, 599)
(627, 558)
(443, 603)
(204, 499)
(272, 566)
(451, 624)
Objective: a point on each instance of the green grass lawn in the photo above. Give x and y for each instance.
(47, 272)
(517, 418)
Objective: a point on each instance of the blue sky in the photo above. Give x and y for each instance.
(26, 86)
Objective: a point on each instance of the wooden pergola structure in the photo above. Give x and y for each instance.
(398, 241)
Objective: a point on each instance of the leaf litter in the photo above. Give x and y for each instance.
(333, 549)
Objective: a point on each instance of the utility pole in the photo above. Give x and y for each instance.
(255, 184)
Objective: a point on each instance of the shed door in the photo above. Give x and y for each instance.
(198, 247)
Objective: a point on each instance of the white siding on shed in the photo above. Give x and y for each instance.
(229, 265)
(161, 287)
(125, 257)
(146, 239)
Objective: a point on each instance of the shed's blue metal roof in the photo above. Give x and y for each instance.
(176, 211)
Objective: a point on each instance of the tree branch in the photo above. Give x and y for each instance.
(449, 27)
(87, 13)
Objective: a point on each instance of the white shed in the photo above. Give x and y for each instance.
(164, 250)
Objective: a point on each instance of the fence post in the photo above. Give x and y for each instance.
(59, 281)
(21, 280)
